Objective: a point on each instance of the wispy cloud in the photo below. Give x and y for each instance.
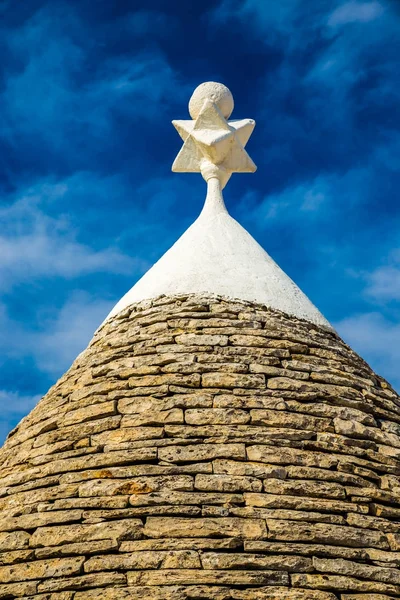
(48, 100)
(376, 339)
(34, 244)
(375, 332)
(57, 103)
(63, 335)
(47, 348)
(268, 20)
(328, 84)
(311, 196)
(355, 12)
(383, 283)
(13, 407)
(57, 336)
(312, 203)
(143, 24)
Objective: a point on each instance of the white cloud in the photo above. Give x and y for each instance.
(14, 406)
(321, 56)
(51, 346)
(283, 16)
(145, 23)
(35, 245)
(65, 334)
(306, 197)
(59, 334)
(384, 284)
(13, 403)
(376, 339)
(355, 12)
(347, 59)
(65, 107)
(374, 336)
(313, 199)
(265, 17)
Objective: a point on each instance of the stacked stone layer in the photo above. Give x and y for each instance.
(205, 449)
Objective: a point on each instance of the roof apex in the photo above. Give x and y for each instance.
(216, 254)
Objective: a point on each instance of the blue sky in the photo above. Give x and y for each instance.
(88, 202)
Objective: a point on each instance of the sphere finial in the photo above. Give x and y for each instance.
(217, 93)
(213, 146)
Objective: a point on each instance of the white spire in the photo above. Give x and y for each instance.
(216, 254)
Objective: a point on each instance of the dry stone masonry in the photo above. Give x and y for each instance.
(199, 449)
(204, 448)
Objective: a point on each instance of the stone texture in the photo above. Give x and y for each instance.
(205, 576)
(340, 583)
(227, 483)
(167, 527)
(13, 540)
(76, 533)
(231, 380)
(298, 564)
(83, 581)
(17, 590)
(345, 567)
(205, 449)
(41, 569)
(329, 534)
(172, 559)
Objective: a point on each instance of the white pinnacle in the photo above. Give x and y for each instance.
(216, 255)
(212, 145)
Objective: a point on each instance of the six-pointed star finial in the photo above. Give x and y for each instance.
(213, 145)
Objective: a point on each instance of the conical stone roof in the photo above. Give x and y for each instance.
(205, 448)
(216, 254)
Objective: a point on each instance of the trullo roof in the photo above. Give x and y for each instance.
(216, 254)
(204, 447)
